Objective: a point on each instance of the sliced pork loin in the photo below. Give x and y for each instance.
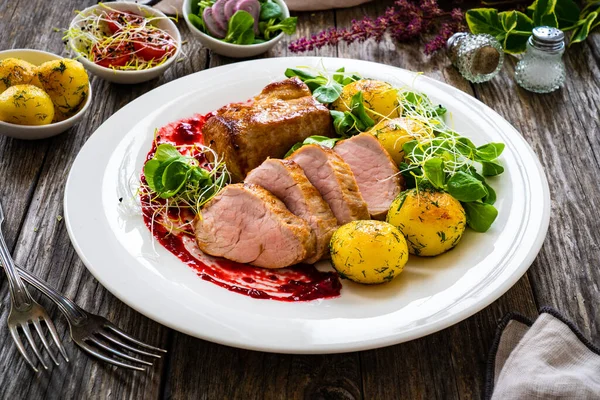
(286, 180)
(334, 180)
(376, 173)
(247, 224)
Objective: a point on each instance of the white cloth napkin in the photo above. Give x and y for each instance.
(546, 359)
(174, 6)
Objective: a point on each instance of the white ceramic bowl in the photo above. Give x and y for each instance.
(228, 49)
(129, 77)
(31, 132)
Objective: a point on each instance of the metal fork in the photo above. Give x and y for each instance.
(94, 333)
(25, 311)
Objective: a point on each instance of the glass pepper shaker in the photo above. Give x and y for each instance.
(542, 69)
(478, 58)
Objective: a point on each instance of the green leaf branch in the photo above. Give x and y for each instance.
(513, 28)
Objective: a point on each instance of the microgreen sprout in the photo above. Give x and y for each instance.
(176, 186)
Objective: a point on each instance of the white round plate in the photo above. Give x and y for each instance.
(431, 293)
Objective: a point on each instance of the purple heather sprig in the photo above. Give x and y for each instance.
(406, 20)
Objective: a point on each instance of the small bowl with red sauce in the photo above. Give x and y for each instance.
(124, 42)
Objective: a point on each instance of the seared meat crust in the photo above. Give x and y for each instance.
(246, 134)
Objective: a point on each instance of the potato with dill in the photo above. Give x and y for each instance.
(393, 133)
(379, 98)
(14, 71)
(67, 84)
(26, 105)
(368, 252)
(433, 222)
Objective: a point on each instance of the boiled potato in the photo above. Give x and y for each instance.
(368, 252)
(26, 105)
(59, 115)
(66, 82)
(432, 222)
(16, 72)
(393, 133)
(380, 98)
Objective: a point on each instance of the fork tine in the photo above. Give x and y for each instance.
(29, 336)
(133, 340)
(116, 341)
(101, 356)
(117, 352)
(15, 335)
(55, 337)
(38, 328)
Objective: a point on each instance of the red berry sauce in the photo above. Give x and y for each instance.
(297, 283)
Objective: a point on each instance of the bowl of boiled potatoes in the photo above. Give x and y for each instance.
(41, 94)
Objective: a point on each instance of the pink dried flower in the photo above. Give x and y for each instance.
(405, 20)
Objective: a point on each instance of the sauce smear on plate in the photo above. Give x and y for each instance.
(298, 283)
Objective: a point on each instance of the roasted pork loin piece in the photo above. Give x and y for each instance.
(378, 178)
(286, 180)
(334, 180)
(247, 224)
(246, 134)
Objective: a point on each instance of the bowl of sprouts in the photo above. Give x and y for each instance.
(124, 42)
(239, 28)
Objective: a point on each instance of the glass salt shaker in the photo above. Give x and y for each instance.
(542, 69)
(478, 58)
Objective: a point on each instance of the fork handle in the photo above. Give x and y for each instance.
(20, 296)
(72, 311)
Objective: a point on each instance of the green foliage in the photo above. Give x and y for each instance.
(320, 140)
(241, 28)
(328, 93)
(510, 28)
(434, 170)
(544, 13)
(480, 216)
(197, 22)
(419, 103)
(447, 162)
(348, 123)
(272, 27)
(583, 28)
(513, 28)
(269, 10)
(326, 88)
(169, 174)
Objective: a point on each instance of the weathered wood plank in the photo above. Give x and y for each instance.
(43, 245)
(210, 371)
(563, 129)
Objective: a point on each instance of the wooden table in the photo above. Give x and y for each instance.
(563, 128)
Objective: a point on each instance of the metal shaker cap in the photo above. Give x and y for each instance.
(547, 38)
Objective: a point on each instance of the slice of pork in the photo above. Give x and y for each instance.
(286, 180)
(334, 180)
(376, 173)
(247, 224)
